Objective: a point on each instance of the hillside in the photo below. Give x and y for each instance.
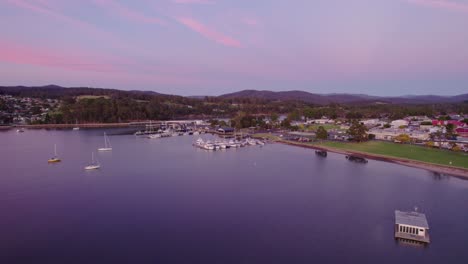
(56, 92)
(323, 99)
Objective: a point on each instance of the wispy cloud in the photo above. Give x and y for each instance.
(13, 52)
(208, 32)
(127, 13)
(445, 4)
(193, 1)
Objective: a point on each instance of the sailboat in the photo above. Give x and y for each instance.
(93, 165)
(55, 158)
(107, 145)
(76, 127)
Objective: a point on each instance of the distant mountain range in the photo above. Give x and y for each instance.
(54, 91)
(323, 99)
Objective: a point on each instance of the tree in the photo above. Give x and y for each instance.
(449, 128)
(213, 122)
(294, 115)
(274, 118)
(286, 123)
(430, 144)
(403, 138)
(456, 148)
(322, 133)
(358, 131)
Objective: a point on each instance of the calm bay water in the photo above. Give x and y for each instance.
(163, 201)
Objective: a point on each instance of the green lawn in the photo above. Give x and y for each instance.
(81, 97)
(327, 127)
(413, 152)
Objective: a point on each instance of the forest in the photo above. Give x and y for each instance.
(110, 106)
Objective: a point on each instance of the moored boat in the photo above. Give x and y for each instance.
(321, 153)
(107, 144)
(94, 165)
(55, 158)
(356, 159)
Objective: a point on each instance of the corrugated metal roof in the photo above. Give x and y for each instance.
(411, 218)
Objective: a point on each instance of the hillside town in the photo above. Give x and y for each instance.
(25, 110)
(444, 131)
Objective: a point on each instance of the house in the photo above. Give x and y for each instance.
(446, 122)
(411, 226)
(391, 133)
(321, 121)
(462, 131)
(370, 122)
(399, 123)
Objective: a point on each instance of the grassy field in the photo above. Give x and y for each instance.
(412, 152)
(436, 156)
(81, 97)
(314, 127)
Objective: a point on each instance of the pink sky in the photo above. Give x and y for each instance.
(213, 46)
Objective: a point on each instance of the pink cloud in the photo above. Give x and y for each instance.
(208, 32)
(87, 64)
(128, 13)
(193, 1)
(445, 4)
(20, 54)
(46, 8)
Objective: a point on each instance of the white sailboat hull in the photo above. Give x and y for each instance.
(104, 149)
(92, 167)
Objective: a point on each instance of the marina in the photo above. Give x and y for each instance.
(225, 144)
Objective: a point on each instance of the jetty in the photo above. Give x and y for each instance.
(321, 153)
(356, 159)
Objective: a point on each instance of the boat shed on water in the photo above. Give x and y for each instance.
(411, 226)
(225, 130)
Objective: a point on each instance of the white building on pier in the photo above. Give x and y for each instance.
(411, 226)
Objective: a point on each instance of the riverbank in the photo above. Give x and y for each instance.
(88, 125)
(458, 171)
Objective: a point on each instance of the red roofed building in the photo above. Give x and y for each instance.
(445, 122)
(462, 131)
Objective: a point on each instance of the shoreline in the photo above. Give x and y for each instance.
(442, 169)
(87, 125)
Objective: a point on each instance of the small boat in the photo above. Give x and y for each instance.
(76, 127)
(321, 153)
(196, 133)
(107, 145)
(199, 142)
(20, 130)
(154, 136)
(55, 158)
(356, 159)
(94, 165)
